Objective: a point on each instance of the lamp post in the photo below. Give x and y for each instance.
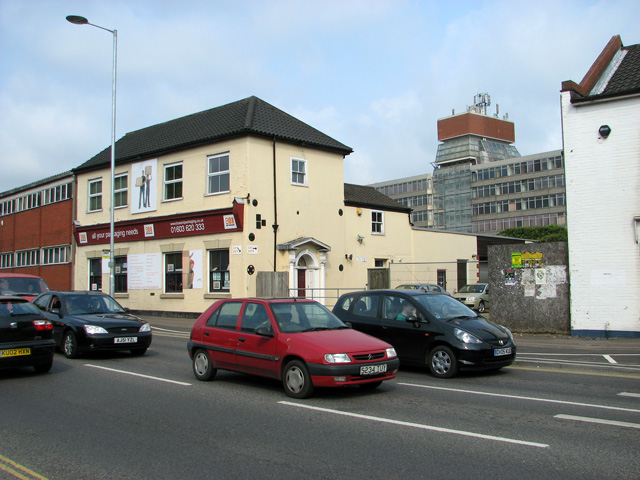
(83, 21)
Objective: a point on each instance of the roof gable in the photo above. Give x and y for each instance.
(250, 116)
(615, 73)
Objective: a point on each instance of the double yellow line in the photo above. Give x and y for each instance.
(17, 470)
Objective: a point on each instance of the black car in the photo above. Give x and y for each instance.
(25, 336)
(92, 321)
(429, 328)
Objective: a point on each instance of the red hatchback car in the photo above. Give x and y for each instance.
(297, 341)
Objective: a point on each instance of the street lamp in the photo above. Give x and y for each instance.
(83, 21)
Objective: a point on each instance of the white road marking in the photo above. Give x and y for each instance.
(609, 359)
(138, 375)
(598, 420)
(629, 394)
(518, 397)
(418, 425)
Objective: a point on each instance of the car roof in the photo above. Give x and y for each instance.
(412, 293)
(13, 298)
(18, 275)
(73, 292)
(272, 300)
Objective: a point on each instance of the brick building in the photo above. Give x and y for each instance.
(35, 230)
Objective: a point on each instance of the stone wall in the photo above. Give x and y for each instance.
(529, 287)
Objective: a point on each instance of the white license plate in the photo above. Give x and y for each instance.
(502, 351)
(125, 340)
(373, 369)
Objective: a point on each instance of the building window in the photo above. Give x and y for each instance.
(173, 272)
(95, 274)
(57, 194)
(6, 207)
(377, 222)
(442, 278)
(6, 260)
(218, 174)
(298, 171)
(55, 255)
(219, 271)
(27, 258)
(120, 190)
(95, 195)
(120, 275)
(173, 181)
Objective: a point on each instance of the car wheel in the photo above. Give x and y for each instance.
(481, 307)
(43, 367)
(442, 362)
(202, 366)
(138, 351)
(70, 345)
(296, 380)
(371, 385)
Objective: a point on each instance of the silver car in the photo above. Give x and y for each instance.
(427, 287)
(475, 296)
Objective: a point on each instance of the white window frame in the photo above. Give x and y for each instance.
(6, 260)
(377, 222)
(297, 172)
(55, 255)
(166, 182)
(27, 258)
(219, 173)
(124, 190)
(91, 196)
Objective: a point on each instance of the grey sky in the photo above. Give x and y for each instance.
(375, 75)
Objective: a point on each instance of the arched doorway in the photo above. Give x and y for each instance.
(307, 275)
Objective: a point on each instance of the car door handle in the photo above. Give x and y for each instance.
(206, 334)
(241, 339)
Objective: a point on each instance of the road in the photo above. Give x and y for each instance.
(563, 410)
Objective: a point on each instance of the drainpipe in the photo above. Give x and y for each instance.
(275, 207)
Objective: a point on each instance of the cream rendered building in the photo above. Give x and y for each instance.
(209, 205)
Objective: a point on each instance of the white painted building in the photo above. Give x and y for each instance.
(601, 134)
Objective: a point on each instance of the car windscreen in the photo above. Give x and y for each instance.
(11, 307)
(444, 307)
(293, 317)
(91, 304)
(22, 286)
(472, 289)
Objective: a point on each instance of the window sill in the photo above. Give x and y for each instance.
(175, 296)
(120, 295)
(215, 296)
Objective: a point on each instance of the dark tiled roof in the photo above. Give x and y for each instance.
(627, 76)
(251, 116)
(369, 197)
(38, 183)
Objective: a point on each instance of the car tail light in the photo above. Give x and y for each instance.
(42, 325)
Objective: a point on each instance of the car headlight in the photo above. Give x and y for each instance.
(94, 329)
(391, 353)
(465, 337)
(510, 335)
(471, 299)
(337, 358)
(145, 327)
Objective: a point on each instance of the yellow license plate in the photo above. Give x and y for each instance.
(15, 352)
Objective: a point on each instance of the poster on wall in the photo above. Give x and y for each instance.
(510, 277)
(194, 273)
(144, 271)
(144, 186)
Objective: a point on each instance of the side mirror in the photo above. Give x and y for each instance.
(348, 324)
(264, 332)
